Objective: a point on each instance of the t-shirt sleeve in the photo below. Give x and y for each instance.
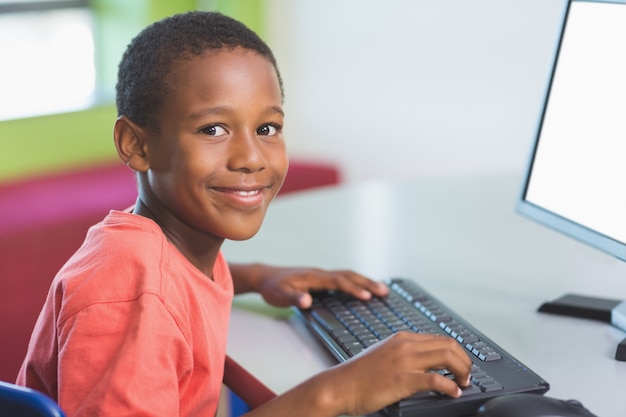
(120, 358)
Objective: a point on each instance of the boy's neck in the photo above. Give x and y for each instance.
(199, 248)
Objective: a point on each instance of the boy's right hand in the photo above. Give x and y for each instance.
(396, 368)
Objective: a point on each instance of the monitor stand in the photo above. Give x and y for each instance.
(594, 308)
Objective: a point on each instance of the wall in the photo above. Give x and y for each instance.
(408, 88)
(385, 88)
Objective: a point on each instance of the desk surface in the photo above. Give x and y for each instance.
(462, 240)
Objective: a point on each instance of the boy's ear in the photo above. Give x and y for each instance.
(130, 141)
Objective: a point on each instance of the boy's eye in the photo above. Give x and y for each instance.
(268, 130)
(214, 130)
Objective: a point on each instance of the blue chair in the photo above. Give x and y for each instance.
(18, 401)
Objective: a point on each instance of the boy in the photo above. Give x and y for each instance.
(136, 321)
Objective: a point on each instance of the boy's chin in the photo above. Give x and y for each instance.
(240, 239)
(243, 235)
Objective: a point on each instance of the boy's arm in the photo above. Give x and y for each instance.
(286, 286)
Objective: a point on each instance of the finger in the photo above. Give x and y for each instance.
(304, 300)
(438, 352)
(294, 297)
(445, 353)
(460, 367)
(284, 296)
(431, 379)
(439, 383)
(356, 284)
(291, 297)
(330, 280)
(372, 287)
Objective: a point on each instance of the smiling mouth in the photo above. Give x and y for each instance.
(247, 192)
(239, 192)
(249, 197)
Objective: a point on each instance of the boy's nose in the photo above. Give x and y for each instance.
(246, 154)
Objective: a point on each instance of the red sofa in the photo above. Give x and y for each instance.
(44, 220)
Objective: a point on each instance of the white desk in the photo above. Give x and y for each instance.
(461, 239)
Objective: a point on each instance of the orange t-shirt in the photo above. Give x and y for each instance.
(131, 327)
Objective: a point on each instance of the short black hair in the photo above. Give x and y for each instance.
(151, 55)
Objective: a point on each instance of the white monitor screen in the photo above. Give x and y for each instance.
(576, 181)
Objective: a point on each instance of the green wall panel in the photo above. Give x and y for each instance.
(53, 143)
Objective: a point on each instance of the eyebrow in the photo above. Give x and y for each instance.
(226, 109)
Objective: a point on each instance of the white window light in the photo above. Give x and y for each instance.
(47, 58)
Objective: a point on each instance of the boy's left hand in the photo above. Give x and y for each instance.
(285, 286)
(291, 286)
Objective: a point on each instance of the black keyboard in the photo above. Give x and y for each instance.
(346, 326)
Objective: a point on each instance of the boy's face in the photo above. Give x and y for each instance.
(219, 157)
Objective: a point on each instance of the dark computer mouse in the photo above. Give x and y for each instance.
(532, 405)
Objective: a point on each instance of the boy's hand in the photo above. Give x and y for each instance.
(291, 286)
(283, 287)
(402, 365)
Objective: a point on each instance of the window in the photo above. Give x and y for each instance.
(48, 59)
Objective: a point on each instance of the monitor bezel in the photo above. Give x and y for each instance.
(541, 215)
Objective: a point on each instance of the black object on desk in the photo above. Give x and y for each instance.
(581, 306)
(532, 405)
(594, 308)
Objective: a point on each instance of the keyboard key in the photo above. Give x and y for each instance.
(471, 390)
(494, 386)
(349, 345)
(355, 350)
(369, 342)
(338, 333)
(486, 379)
(489, 356)
(327, 319)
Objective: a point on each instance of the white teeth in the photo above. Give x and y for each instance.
(248, 193)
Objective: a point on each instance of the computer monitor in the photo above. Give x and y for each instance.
(576, 177)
